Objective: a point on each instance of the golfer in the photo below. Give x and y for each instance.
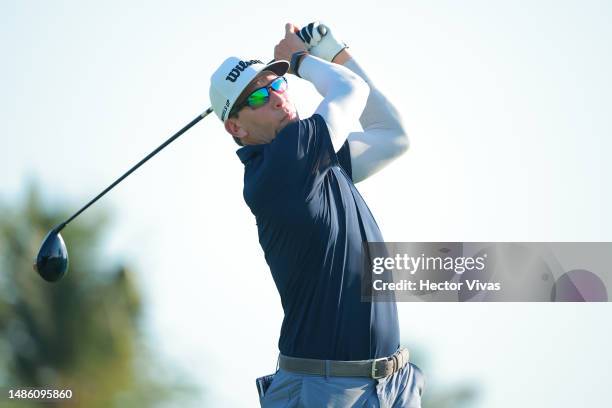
(299, 182)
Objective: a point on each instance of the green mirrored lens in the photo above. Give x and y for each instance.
(258, 98)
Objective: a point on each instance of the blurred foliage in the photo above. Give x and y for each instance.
(82, 333)
(462, 395)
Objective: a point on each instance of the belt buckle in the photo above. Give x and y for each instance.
(373, 371)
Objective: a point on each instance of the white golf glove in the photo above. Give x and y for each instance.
(320, 42)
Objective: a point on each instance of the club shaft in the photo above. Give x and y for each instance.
(140, 163)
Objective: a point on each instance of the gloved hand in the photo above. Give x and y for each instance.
(320, 42)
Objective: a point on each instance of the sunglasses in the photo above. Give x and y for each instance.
(261, 96)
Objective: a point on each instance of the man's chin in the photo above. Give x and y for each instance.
(287, 119)
(293, 118)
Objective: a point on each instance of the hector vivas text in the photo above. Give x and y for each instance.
(404, 263)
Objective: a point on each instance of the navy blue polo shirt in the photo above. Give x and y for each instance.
(311, 222)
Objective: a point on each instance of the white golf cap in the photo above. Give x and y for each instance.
(233, 76)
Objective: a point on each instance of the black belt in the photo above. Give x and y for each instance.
(374, 368)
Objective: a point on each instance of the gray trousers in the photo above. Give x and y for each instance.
(402, 389)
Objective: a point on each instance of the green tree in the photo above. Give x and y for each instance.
(82, 333)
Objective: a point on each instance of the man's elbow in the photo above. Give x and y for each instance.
(402, 142)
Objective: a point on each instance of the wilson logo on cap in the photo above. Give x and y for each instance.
(235, 72)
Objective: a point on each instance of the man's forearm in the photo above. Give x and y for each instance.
(342, 57)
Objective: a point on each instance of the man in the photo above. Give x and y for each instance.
(299, 183)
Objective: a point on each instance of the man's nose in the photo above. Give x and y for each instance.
(278, 99)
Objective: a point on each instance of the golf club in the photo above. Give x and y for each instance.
(52, 259)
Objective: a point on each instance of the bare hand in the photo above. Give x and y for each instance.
(289, 45)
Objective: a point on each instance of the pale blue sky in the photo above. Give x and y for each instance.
(508, 108)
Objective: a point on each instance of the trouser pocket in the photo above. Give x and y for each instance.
(263, 383)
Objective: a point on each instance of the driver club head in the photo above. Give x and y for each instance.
(52, 259)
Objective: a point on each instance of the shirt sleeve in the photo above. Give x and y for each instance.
(344, 159)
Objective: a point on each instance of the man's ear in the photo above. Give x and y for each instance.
(234, 128)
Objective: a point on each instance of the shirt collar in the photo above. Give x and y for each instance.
(246, 153)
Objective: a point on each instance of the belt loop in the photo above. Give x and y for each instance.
(405, 357)
(326, 369)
